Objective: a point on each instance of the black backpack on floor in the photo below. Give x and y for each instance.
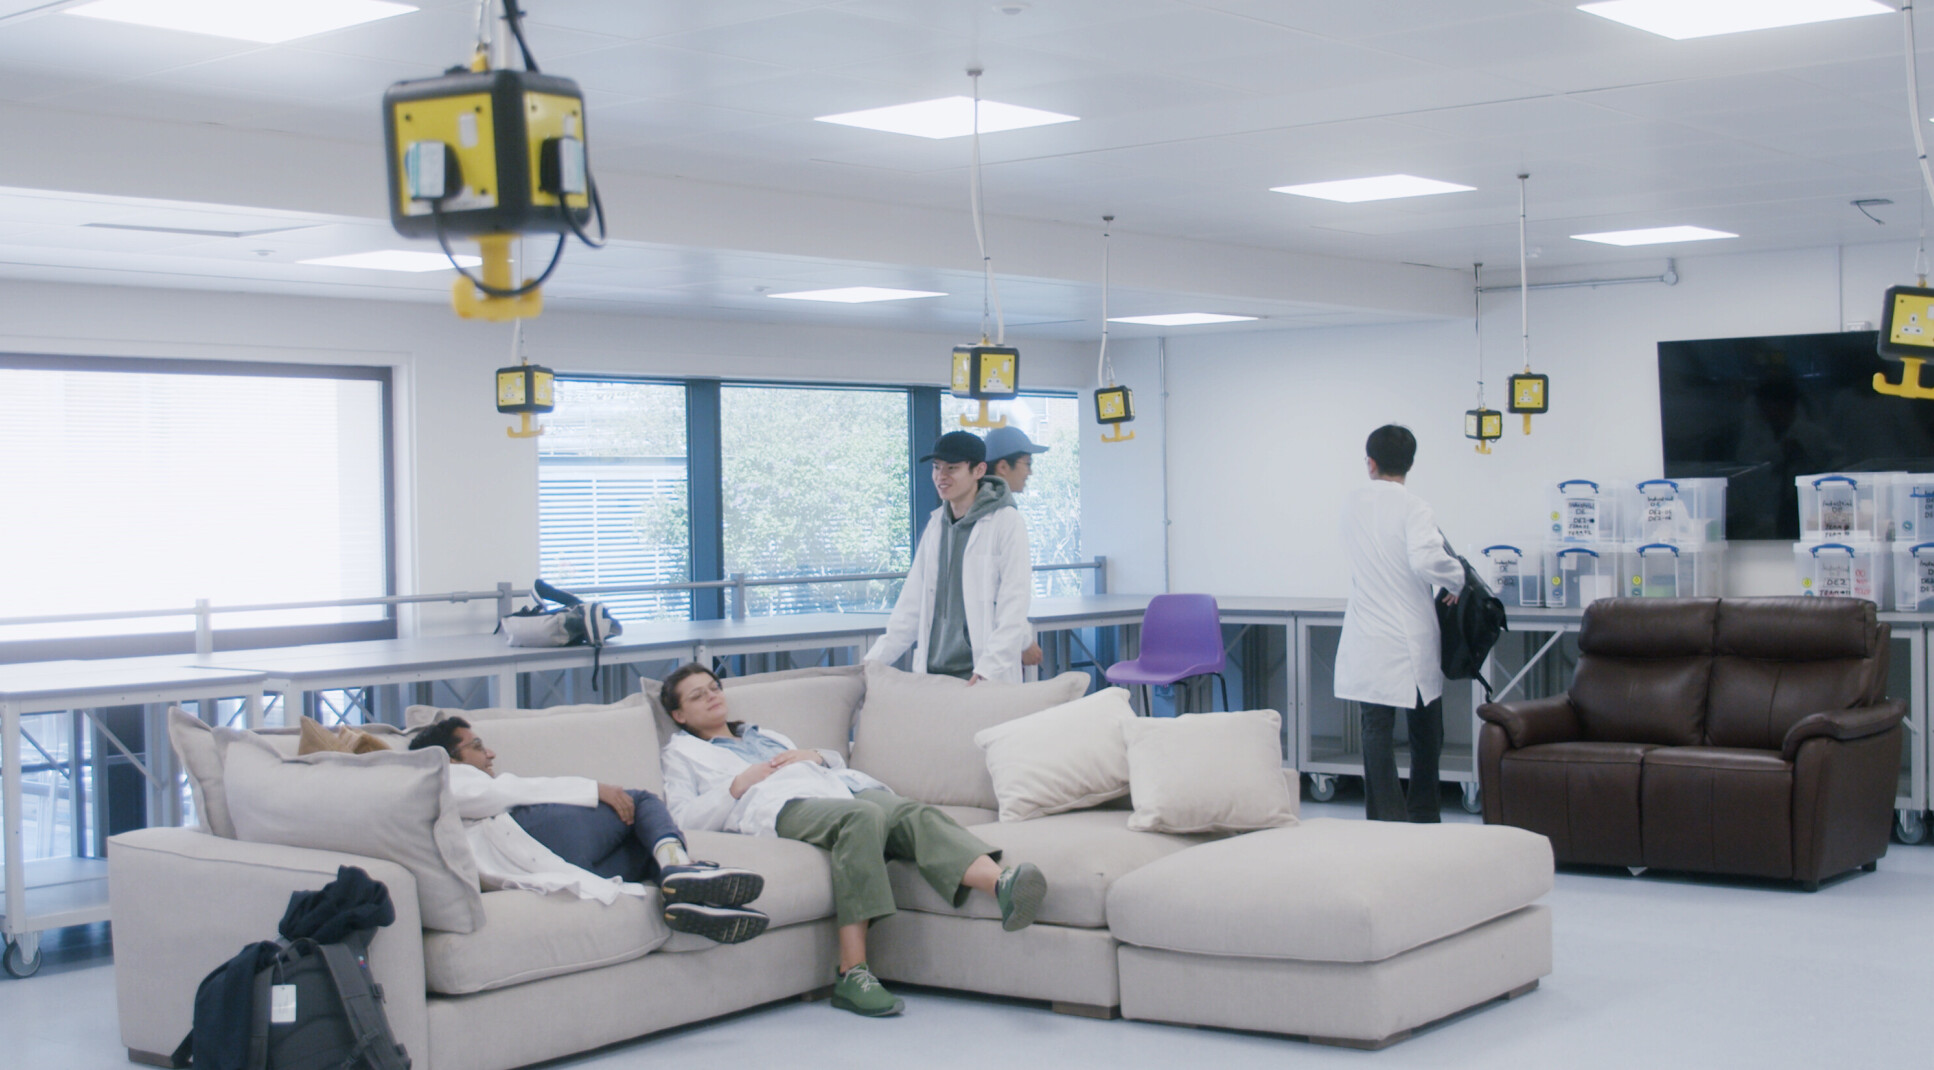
(311, 1006)
(1470, 628)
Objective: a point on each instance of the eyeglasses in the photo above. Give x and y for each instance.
(473, 743)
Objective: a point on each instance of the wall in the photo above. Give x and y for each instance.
(467, 494)
(1267, 428)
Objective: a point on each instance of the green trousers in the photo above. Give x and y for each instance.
(865, 831)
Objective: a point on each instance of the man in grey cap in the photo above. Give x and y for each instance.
(1012, 456)
(963, 610)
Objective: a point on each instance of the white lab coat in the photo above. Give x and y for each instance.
(509, 857)
(698, 785)
(1390, 653)
(997, 589)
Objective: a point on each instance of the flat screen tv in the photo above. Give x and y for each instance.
(1761, 411)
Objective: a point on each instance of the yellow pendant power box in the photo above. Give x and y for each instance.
(486, 152)
(986, 372)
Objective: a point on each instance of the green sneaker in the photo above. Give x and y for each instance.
(1019, 890)
(862, 993)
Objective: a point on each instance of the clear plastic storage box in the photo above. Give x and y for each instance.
(1666, 570)
(1515, 576)
(1576, 575)
(1855, 568)
(1911, 507)
(1583, 511)
(1678, 511)
(1846, 505)
(1914, 577)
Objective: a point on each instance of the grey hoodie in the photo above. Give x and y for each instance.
(948, 650)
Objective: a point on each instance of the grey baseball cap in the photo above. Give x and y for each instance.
(1008, 441)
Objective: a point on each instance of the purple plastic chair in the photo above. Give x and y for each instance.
(1181, 638)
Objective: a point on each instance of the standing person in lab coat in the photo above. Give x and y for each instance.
(963, 610)
(1389, 657)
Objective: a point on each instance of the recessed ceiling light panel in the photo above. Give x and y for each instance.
(264, 21)
(1654, 235)
(856, 295)
(1181, 319)
(1380, 188)
(947, 117)
(1685, 19)
(394, 260)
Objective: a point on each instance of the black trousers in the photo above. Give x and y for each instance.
(1383, 798)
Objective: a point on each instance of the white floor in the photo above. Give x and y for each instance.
(1650, 972)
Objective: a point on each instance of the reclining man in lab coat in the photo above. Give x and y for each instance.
(1390, 656)
(597, 841)
(963, 610)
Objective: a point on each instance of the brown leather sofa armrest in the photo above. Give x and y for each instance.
(1856, 723)
(1534, 721)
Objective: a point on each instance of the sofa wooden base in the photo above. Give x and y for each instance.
(1085, 1010)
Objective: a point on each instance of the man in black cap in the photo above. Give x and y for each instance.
(963, 610)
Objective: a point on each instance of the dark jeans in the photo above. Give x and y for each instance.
(595, 838)
(1383, 799)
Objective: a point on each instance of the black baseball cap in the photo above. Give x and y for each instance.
(957, 446)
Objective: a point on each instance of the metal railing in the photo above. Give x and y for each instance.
(505, 595)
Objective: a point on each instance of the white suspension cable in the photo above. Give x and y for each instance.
(1914, 95)
(1477, 324)
(1104, 370)
(990, 290)
(1524, 279)
(517, 341)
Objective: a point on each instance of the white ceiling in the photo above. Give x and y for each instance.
(1190, 110)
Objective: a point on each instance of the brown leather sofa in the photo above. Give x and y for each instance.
(1749, 736)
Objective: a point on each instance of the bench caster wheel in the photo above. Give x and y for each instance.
(1910, 826)
(1322, 787)
(22, 958)
(1473, 798)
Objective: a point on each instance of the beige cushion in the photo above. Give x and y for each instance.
(1066, 757)
(916, 732)
(418, 716)
(194, 743)
(813, 706)
(526, 936)
(201, 758)
(1331, 890)
(611, 744)
(393, 805)
(1208, 772)
(1081, 854)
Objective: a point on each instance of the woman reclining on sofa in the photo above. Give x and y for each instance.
(728, 776)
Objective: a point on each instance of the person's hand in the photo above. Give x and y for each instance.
(792, 756)
(1032, 655)
(974, 679)
(618, 799)
(1448, 599)
(754, 773)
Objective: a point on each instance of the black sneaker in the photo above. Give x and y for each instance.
(725, 925)
(710, 883)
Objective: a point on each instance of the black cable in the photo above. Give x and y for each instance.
(514, 16)
(597, 209)
(442, 239)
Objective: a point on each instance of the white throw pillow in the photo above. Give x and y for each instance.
(1208, 772)
(393, 805)
(916, 732)
(1067, 757)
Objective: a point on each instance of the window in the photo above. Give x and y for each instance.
(613, 493)
(144, 484)
(1052, 501)
(815, 483)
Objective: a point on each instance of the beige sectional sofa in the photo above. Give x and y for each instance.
(1342, 931)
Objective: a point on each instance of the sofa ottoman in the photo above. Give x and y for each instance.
(1347, 932)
